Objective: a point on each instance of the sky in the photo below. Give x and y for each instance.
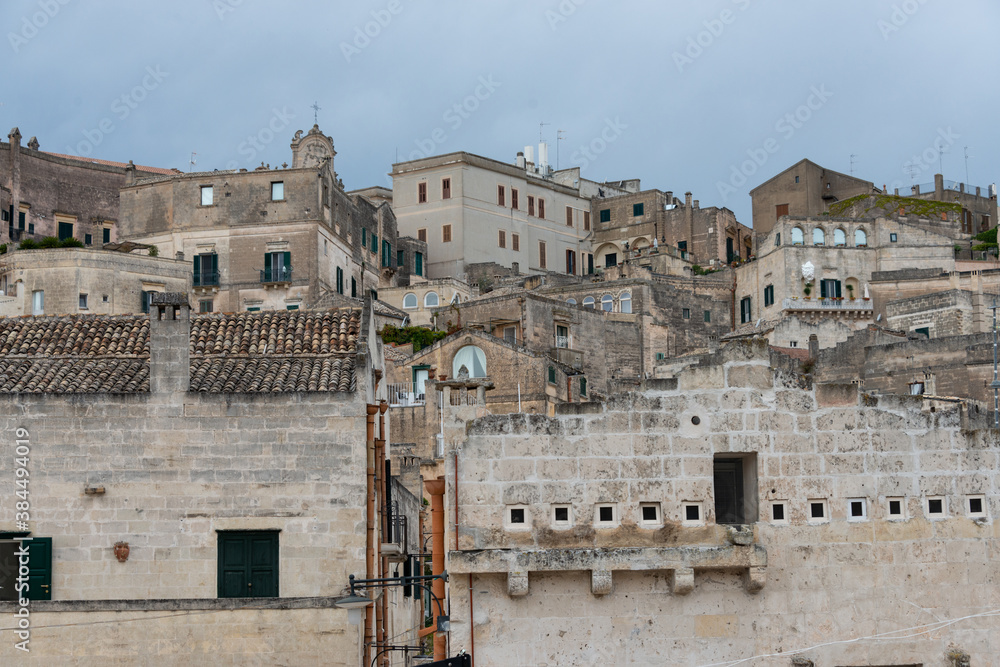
(712, 97)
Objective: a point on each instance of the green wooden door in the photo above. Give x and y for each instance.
(248, 564)
(40, 568)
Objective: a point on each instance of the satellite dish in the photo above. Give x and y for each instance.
(879, 318)
(759, 320)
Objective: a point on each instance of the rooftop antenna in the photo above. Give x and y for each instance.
(944, 149)
(316, 108)
(540, 126)
(192, 162)
(559, 137)
(852, 163)
(995, 384)
(912, 170)
(966, 168)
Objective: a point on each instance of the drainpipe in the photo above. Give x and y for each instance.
(383, 495)
(436, 489)
(379, 539)
(370, 526)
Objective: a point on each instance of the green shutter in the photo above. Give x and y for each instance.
(107, 235)
(418, 263)
(374, 243)
(288, 261)
(215, 266)
(248, 564)
(40, 568)
(267, 262)
(364, 237)
(197, 270)
(65, 230)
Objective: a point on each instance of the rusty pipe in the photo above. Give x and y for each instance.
(370, 525)
(436, 489)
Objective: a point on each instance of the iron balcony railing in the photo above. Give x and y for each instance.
(826, 304)
(206, 279)
(402, 394)
(394, 526)
(282, 274)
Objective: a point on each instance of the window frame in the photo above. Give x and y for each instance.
(207, 190)
(415, 304)
(422, 192)
(279, 185)
(446, 233)
(446, 188)
(502, 238)
(501, 196)
(224, 589)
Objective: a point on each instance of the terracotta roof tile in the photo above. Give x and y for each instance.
(112, 163)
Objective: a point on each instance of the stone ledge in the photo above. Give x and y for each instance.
(177, 604)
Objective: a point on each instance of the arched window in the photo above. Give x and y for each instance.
(839, 237)
(819, 236)
(430, 300)
(626, 302)
(607, 303)
(571, 301)
(473, 359)
(588, 302)
(410, 301)
(860, 238)
(797, 236)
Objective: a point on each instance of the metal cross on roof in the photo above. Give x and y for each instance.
(315, 107)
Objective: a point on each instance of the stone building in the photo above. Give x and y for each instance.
(834, 260)
(267, 239)
(977, 206)
(66, 281)
(803, 190)
(48, 194)
(734, 514)
(470, 210)
(198, 487)
(422, 297)
(630, 223)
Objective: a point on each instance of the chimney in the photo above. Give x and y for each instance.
(515, 267)
(169, 343)
(543, 158)
(938, 187)
(695, 204)
(520, 160)
(130, 173)
(687, 199)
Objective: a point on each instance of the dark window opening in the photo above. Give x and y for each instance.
(735, 481)
(895, 508)
(606, 514)
(637, 209)
(606, 215)
(692, 513)
(935, 506)
(777, 512)
(817, 510)
(517, 515)
(562, 514)
(975, 505)
(857, 508)
(649, 513)
(39, 566)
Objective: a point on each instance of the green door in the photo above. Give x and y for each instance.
(40, 568)
(248, 564)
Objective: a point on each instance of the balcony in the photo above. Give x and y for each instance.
(394, 533)
(404, 394)
(281, 275)
(857, 305)
(206, 279)
(562, 342)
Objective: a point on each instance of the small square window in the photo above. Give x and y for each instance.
(83, 302)
(691, 514)
(778, 512)
(817, 511)
(517, 517)
(277, 191)
(104, 298)
(976, 506)
(650, 513)
(686, 313)
(892, 237)
(561, 515)
(605, 514)
(637, 209)
(896, 508)
(796, 179)
(935, 506)
(857, 509)
(205, 306)
(206, 195)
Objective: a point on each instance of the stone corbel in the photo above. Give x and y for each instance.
(755, 578)
(517, 583)
(601, 582)
(683, 581)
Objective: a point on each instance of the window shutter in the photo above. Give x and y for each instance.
(267, 262)
(822, 289)
(287, 256)
(197, 270)
(215, 266)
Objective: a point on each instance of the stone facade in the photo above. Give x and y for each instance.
(84, 280)
(595, 537)
(977, 207)
(421, 298)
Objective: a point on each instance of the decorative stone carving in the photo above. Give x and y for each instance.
(808, 271)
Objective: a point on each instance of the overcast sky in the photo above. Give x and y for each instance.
(713, 96)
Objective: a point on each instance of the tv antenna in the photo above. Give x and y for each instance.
(540, 126)
(966, 168)
(559, 137)
(316, 109)
(192, 162)
(852, 163)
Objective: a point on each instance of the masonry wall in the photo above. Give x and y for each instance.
(635, 593)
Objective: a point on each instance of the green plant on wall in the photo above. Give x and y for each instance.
(807, 289)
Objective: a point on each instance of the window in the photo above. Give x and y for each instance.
(513, 199)
(541, 254)
(501, 196)
(83, 302)
(531, 205)
(277, 267)
(780, 210)
(839, 237)
(769, 296)
(649, 513)
(88, 239)
(571, 301)
(610, 259)
(607, 303)
(446, 233)
(637, 209)
(354, 287)
(777, 240)
(364, 237)
(707, 315)
(583, 386)
(796, 179)
(586, 221)
(625, 302)
(817, 511)
(691, 514)
(374, 242)
(38, 302)
(340, 280)
(569, 216)
(605, 515)
(793, 343)
(935, 507)
(39, 566)
(400, 256)
(892, 237)
(605, 215)
(510, 334)
(735, 485)
(517, 517)
(857, 509)
(552, 375)
(248, 564)
(896, 507)
(778, 513)
(829, 289)
(473, 359)
(562, 336)
(145, 300)
(421, 193)
(106, 235)
(431, 300)
(409, 301)
(65, 230)
(206, 269)
(418, 263)
(515, 242)
(104, 298)
(295, 306)
(976, 506)
(686, 313)
(797, 236)
(206, 195)
(561, 515)
(745, 310)
(860, 238)
(588, 302)
(571, 262)
(926, 331)
(819, 236)
(445, 188)
(421, 236)
(277, 191)
(205, 306)
(541, 208)
(386, 254)
(501, 238)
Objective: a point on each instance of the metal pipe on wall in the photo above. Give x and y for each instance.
(370, 526)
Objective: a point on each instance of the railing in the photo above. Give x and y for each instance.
(470, 398)
(826, 304)
(207, 279)
(402, 394)
(282, 274)
(562, 342)
(394, 526)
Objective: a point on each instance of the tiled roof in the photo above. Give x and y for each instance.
(112, 163)
(244, 352)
